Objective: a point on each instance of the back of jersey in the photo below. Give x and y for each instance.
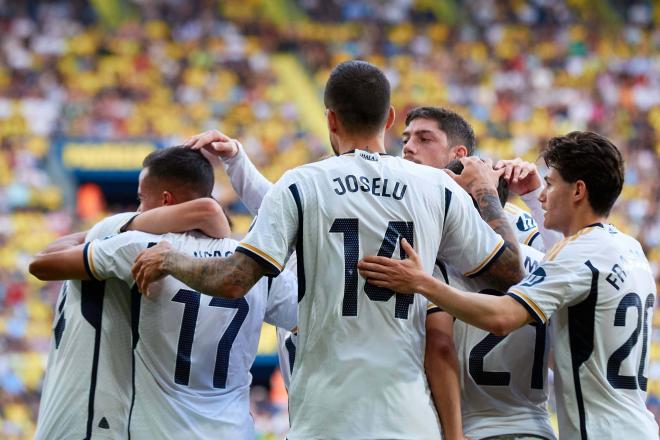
(503, 378)
(601, 287)
(193, 352)
(86, 391)
(359, 369)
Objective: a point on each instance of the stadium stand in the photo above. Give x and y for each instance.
(162, 70)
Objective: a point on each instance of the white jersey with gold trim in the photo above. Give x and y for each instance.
(599, 290)
(87, 388)
(524, 227)
(359, 365)
(504, 386)
(192, 352)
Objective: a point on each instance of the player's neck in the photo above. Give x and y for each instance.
(583, 219)
(372, 144)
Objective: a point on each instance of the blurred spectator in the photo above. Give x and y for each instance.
(521, 72)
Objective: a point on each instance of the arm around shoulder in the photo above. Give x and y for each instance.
(204, 214)
(67, 264)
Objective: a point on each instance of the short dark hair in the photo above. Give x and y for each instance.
(457, 129)
(183, 167)
(359, 94)
(592, 158)
(502, 186)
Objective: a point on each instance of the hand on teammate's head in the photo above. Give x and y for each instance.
(477, 173)
(522, 176)
(214, 142)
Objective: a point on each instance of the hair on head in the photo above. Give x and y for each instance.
(457, 129)
(182, 168)
(359, 94)
(592, 158)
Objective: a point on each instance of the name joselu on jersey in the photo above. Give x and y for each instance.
(374, 185)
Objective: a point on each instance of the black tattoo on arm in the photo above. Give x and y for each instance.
(506, 270)
(230, 277)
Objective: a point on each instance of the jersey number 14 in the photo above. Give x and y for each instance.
(349, 227)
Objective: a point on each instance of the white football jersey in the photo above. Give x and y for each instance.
(524, 227)
(598, 287)
(503, 378)
(87, 389)
(359, 364)
(192, 352)
(286, 353)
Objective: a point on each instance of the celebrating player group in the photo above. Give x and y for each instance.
(412, 301)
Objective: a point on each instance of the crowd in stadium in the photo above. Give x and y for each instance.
(521, 72)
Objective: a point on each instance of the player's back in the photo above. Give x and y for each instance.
(503, 378)
(193, 352)
(601, 332)
(87, 387)
(359, 359)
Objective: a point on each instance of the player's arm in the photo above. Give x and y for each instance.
(230, 277)
(524, 179)
(441, 365)
(65, 264)
(499, 315)
(480, 180)
(65, 242)
(263, 252)
(204, 214)
(250, 185)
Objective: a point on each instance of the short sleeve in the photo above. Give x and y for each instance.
(554, 284)
(282, 307)
(274, 232)
(114, 256)
(468, 243)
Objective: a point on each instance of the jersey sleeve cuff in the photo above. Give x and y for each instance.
(266, 261)
(532, 308)
(88, 259)
(432, 308)
(127, 223)
(531, 237)
(494, 255)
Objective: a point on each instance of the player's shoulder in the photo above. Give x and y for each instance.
(590, 241)
(201, 245)
(129, 237)
(109, 225)
(528, 251)
(520, 219)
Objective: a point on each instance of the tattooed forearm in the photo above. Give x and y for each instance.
(506, 270)
(492, 212)
(230, 277)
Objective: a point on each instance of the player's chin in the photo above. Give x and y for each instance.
(548, 222)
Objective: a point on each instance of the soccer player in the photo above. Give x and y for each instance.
(504, 390)
(596, 285)
(87, 387)
(359, 369)
(435, 136)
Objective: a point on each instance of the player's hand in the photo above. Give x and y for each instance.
(522, 177)
(148, 266)
(476, 173)
(214, 142)
(402, 276)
